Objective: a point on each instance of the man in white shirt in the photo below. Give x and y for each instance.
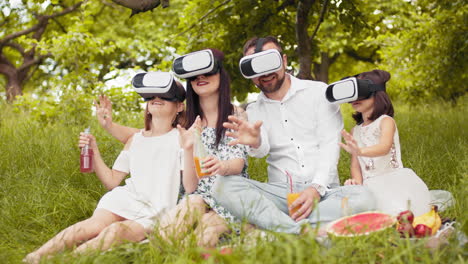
(292, 122)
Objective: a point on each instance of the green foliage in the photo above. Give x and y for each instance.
(427, 57)
(42, 192)
(47, 109)
(422, 43)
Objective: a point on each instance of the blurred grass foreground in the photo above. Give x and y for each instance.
(42, 191)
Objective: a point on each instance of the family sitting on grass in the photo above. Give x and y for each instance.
(291, 122)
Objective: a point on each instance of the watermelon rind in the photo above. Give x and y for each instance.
(339, 227)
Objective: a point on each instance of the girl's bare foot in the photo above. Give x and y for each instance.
(32, 258)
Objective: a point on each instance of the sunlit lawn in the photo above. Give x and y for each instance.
(42, 192)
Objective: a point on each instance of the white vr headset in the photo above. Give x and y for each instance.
(261, 63)
(351, 89)
(157, 84)
(196, 63)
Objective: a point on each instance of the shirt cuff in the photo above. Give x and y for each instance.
(319, 188)
(259, 152)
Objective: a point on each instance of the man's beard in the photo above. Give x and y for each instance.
(274, 88)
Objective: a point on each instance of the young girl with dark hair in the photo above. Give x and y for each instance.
(376, 159)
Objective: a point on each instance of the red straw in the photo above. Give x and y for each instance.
(290, 181)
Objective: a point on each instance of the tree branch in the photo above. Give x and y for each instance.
(60, 25)
(202, 18)
(42, 19)
(138, 6)
(322, 15)
(353, 54)
(32, 62)
(16, 46)
(67, 10)
(278, 9)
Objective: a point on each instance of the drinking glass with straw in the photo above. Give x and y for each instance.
(294, 191)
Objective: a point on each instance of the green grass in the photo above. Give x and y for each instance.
(42, 192)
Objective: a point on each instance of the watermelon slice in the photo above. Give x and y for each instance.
(360, 224)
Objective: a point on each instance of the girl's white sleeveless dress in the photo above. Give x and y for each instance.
(154, 164)
(385, 176)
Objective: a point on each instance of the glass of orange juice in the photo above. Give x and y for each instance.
(199, 153)
(295, 188)
(198, 168)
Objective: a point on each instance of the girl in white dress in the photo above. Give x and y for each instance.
(376, 159)
(153, 158)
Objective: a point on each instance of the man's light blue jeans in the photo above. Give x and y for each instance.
(265, 204)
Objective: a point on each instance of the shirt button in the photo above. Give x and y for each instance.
(291, 138)
(302, 166)
(286, 120)
(298, 147)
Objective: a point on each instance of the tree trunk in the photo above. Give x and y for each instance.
(321, 69)
(13, 87)
(304, 50)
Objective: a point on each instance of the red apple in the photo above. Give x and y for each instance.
(422, 230)
(405, 217)
(405, 229)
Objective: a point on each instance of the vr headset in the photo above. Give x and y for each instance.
(261, 62)
(351, 89)
(157, 84)
(196, 63)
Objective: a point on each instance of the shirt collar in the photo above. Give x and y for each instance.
(296, 85)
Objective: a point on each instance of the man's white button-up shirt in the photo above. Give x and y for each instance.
(300, 133)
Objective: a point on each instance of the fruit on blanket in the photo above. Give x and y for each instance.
(360, 224)
(430, 219)
(422, 230)
(405, 217)
(405, 223)
(405, 229)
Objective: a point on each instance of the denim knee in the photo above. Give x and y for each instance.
(366, 200)
(226, 186)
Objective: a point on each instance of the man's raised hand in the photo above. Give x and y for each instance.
(243, 132)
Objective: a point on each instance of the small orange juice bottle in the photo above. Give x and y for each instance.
(199, 153)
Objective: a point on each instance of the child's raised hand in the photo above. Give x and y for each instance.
(87, 139)
(350, 144)
(104, 111)
(186, 136)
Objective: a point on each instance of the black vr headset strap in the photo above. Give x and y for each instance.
(372, 87)
(259, 45)
(377, 87)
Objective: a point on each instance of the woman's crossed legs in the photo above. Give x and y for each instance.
(101, 231)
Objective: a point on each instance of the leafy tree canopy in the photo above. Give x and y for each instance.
(73, 46)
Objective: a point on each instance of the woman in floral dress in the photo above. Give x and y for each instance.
(208, 107)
